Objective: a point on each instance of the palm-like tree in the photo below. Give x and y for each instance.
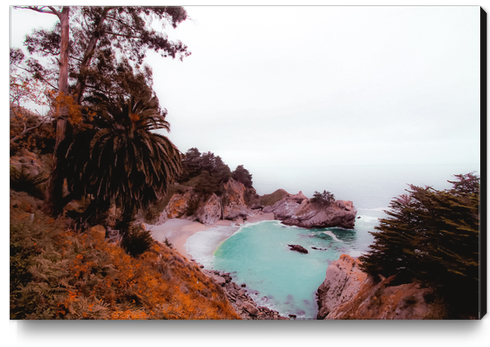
(122, 160)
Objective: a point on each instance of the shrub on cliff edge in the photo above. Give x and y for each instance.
(59, 274)
(432, 237)
(324, 199)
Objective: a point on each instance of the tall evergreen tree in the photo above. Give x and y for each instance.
(242, 175)
(432, 236)
(82, 52)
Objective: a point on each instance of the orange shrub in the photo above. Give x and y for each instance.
(74, 276)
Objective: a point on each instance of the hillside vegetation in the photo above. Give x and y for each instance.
(271, 199)
(432, 237)
(57, 273)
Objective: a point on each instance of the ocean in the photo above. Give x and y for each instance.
(258, 255)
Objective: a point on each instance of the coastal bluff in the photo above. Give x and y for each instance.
(237, 202)
(349, 293)
(300, 211)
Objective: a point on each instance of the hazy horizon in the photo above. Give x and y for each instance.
(319, 86)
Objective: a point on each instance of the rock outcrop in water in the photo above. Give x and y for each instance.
(298, 210)
(349, 293)
(237, 202)
(298, 248)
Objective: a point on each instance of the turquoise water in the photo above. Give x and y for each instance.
(258, 255)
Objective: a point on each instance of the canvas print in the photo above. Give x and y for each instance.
(247, 163)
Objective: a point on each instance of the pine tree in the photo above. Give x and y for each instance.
(432, 237)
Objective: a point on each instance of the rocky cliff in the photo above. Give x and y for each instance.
(239, 202)
(208, 209)
(298, 210)
(237, 295)
(349, 293)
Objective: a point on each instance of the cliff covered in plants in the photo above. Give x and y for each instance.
(57, 273)
(350, 293)
(207, 191)
(424, 261)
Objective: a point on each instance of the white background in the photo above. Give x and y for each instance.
(293, 122)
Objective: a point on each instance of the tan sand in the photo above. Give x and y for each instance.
(177, 231)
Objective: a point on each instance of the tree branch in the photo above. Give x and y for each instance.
(26, 129)
(55, 11)
(40, 78)
(41, 9)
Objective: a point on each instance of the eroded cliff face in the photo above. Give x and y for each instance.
(349, 293)
(233, 198)
(177, 207)
(343, 281)
(209, 209)
(237, 202)
(298, 210)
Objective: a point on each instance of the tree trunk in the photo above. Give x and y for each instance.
(56, 178)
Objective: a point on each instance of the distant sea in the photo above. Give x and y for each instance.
(258, 254)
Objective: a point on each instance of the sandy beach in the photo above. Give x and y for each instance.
(177, 231)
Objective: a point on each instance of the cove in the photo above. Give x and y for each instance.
(258, 255)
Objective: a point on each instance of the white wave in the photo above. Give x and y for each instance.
(355, 253)
(202, 244)
(329, 233)
(368, 219)
(379, 209)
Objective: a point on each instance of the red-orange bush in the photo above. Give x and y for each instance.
(71, 276)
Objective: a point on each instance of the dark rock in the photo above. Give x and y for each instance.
(298, 248)
(298, 210)
(243, 304)
(250, 308)
(243, 285)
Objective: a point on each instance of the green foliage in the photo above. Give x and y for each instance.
(432, 236)
(251, 197)
(22, 181)
(106, 46)
(122, 160)
(271, 199)
(99, 37)
(30, 131)
(206, 184)
(168, 243)
(194, 163)
(324, 199)
(242, 175)
(205, 172)
(137, 240)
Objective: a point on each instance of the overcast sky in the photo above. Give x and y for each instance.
(312, 86)
(343, 85)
